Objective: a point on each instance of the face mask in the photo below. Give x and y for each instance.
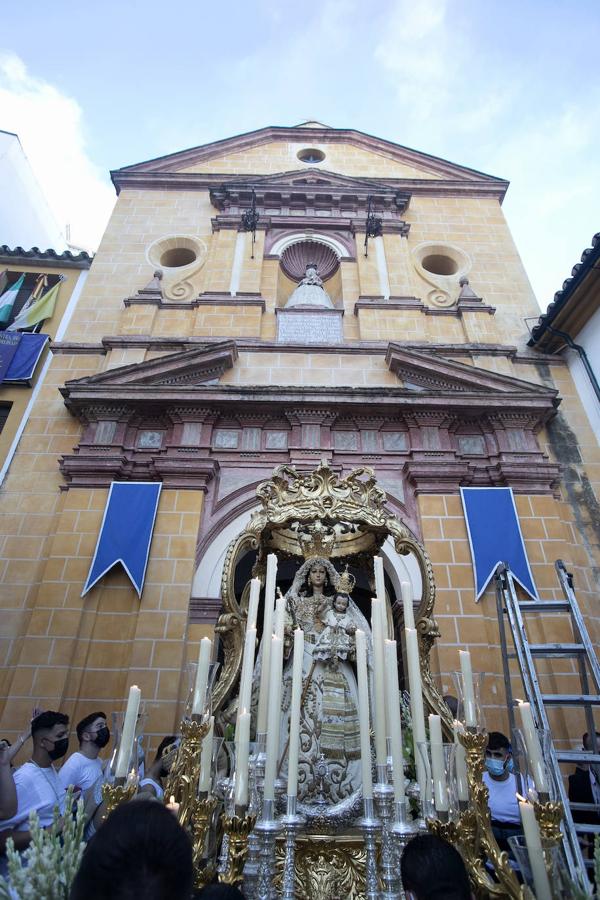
(59, 749)
(494, 766)
(510, 765)
(102, 737)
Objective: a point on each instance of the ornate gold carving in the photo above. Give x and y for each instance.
(238, 829)
(325, 870)
(549, 816)
(201, 820)
(182, 783)
(115, 794)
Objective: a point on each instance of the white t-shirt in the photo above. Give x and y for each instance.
(503, 803)
(80, 771)
(38, 789)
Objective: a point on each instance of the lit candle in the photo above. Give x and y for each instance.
(253, 603)
(440, 785)
(292, 784)
(242, 749)
(205, 781)
(416, 706)
(468, 689)
(462, 781)
(173, 806)
(534, 751)
(379, 578)
(274, 719)
(407, 604)
(245, 693)
(128, 734)
(199, 701)
(533, 841)
(263, 694)
(394, 721)
(363, 714)
(379, 678)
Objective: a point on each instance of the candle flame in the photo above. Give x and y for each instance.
(172, 798)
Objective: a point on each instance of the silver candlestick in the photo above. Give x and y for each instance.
(256, 784)
(384, 804)
(267, 829)
(370, 826)
(402, 831)
(292, 823)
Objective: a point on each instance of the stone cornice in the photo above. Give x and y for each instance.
(207, 299)
(419, 306)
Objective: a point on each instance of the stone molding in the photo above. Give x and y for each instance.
(209, 298)
(204, 610)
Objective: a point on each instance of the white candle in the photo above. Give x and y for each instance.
(242, 750)
(199, 701)
(292, 784)
(407, 604)
(416, 706)
(462, 781)
(274, 718)
(440, 785)
(533, 841)
(206, 759)
(363, 714)
(379, 578)
(394, 721)
(280, 605)
(245, 693)
(534, 750)
(128, 734)
(253, 603)
(470, 713)
(263, 694)
(379, 678)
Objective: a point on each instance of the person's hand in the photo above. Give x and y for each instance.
(9, 751)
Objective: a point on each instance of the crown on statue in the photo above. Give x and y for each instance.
(316, 540)
(346, 582)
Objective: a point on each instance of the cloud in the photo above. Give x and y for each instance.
(51, 129)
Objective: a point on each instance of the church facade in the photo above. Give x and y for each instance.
(284, 297)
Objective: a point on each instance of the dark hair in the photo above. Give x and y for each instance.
(307, 588)
(170, 739)
(498, 741)
(219, 892)
(85, 723)
(434, 870)
(140, 851)
(452, 704)
(47, 720)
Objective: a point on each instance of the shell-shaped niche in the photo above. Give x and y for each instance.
(442, 266)
(181, 257)
(296, 257)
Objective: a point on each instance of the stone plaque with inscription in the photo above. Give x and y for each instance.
(308, 327)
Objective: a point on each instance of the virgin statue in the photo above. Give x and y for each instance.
(319, 602)
(310, 291)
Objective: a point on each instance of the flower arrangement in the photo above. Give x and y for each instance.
(52, 858)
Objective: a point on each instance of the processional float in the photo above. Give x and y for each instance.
(324, 781)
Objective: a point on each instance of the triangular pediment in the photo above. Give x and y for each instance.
(425, 372)
(320, 179)
(186, 368)
(400, 161)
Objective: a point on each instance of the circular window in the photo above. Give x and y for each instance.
(311, 155)
(177, 257)
(438, 264)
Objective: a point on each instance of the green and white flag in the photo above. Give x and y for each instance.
(7, 300)
(38, 311)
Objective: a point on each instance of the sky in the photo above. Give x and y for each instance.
(508, 88)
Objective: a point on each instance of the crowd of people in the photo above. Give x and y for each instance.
(147, 830)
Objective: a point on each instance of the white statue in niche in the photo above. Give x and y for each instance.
(310, 291)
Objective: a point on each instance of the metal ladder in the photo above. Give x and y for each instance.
(580, 649)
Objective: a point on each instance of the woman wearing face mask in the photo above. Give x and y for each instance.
(37, 782)
(83, 768)
(503, 786)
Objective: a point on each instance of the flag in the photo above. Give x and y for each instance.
(38, 311)
(7, 300)
(126, 531)
(495, 536)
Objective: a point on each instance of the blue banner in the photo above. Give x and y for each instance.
(495, 536)
(126, 532)
(9, 342)
(26, 358)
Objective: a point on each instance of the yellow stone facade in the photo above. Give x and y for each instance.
(79, 654)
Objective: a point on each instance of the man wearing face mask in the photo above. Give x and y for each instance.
(83, 768)
(503, 788)
(37, 783)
